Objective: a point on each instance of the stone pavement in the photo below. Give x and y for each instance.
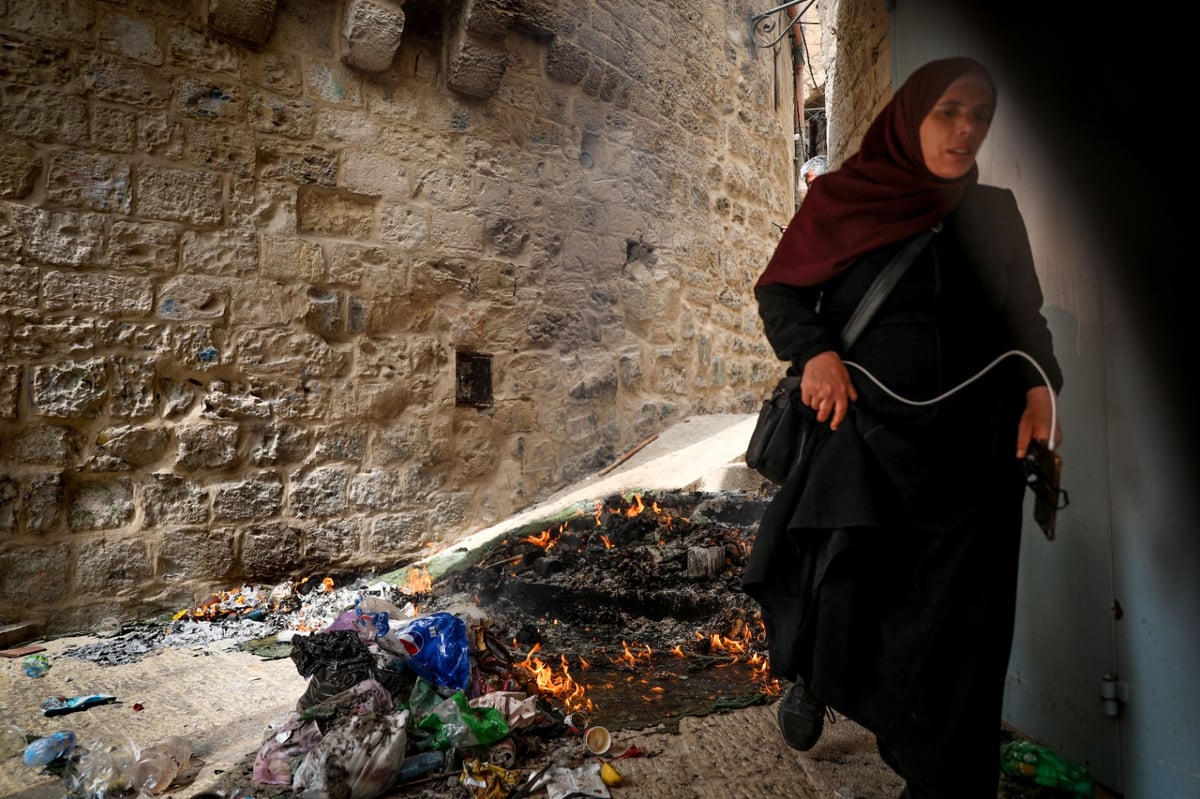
(225, 700)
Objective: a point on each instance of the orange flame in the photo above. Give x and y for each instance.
(627, 657)
(418, 581)
(542, 539)
(561, 687)
(720, 642)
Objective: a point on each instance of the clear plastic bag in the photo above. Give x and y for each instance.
(303, 731)
(360, 758)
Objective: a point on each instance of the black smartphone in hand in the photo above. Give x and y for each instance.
(1043, 473)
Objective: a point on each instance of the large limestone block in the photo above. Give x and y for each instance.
(476, 67)
(243, 19)
(371, 34)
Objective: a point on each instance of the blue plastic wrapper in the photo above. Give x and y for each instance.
(58, 705)
(437, 649)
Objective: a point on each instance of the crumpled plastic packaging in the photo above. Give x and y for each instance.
(60, 705)
(360, 758)
(105, 767)
(561, 783)
(273, 763)
(304, 730)
(453, 723)
(434, 646)
(519, 710)
(487, 781)
(338, 660)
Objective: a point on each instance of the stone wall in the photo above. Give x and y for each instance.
(857, 51)
(307, 287)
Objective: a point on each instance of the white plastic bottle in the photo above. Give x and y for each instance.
(158, 765)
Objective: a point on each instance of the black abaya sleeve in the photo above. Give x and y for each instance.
(791, 323)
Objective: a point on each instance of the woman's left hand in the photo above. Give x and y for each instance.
(1037, 419)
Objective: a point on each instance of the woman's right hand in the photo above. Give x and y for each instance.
(826, 388)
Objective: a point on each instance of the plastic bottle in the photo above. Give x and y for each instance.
(158, 765)
(51, 748)
(420, 764)
(36, 665)
(12, 741)
(105, 767)
(1044, 766)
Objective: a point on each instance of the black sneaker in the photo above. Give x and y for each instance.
(801, 717)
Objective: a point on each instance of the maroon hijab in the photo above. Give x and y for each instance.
(882, 194)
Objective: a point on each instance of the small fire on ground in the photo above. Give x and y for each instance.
(631, 609)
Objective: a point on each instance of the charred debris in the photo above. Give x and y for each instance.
(505, 676)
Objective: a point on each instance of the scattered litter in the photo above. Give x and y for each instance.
(487, 780)
(61, 705)
(12, 741)
(45, 751)
(36, 666)
(157, 766)
(399, 695)
(633, 751)
(582, 781)
(357, 760)
(609, 774)
(1042, 765)
(454, 723)
(597, 739)
(503, 753)
(518, 709)
(305, 729)
(105, 768)
(419, 765)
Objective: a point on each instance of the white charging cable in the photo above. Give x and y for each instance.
(969, 381)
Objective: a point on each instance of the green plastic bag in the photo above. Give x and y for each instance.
(454, 724)
(1030, 761)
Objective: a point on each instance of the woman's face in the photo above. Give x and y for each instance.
(955, 127)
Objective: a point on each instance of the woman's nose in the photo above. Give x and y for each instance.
(968, 127)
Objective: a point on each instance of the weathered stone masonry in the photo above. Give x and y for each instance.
(311, 286)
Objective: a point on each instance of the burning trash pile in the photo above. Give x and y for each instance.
(511, 676)
(632, 608)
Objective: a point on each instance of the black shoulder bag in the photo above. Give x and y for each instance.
(785, 426)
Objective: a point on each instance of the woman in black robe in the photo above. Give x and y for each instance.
(887, 570)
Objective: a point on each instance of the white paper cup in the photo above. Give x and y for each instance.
(597, 739)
